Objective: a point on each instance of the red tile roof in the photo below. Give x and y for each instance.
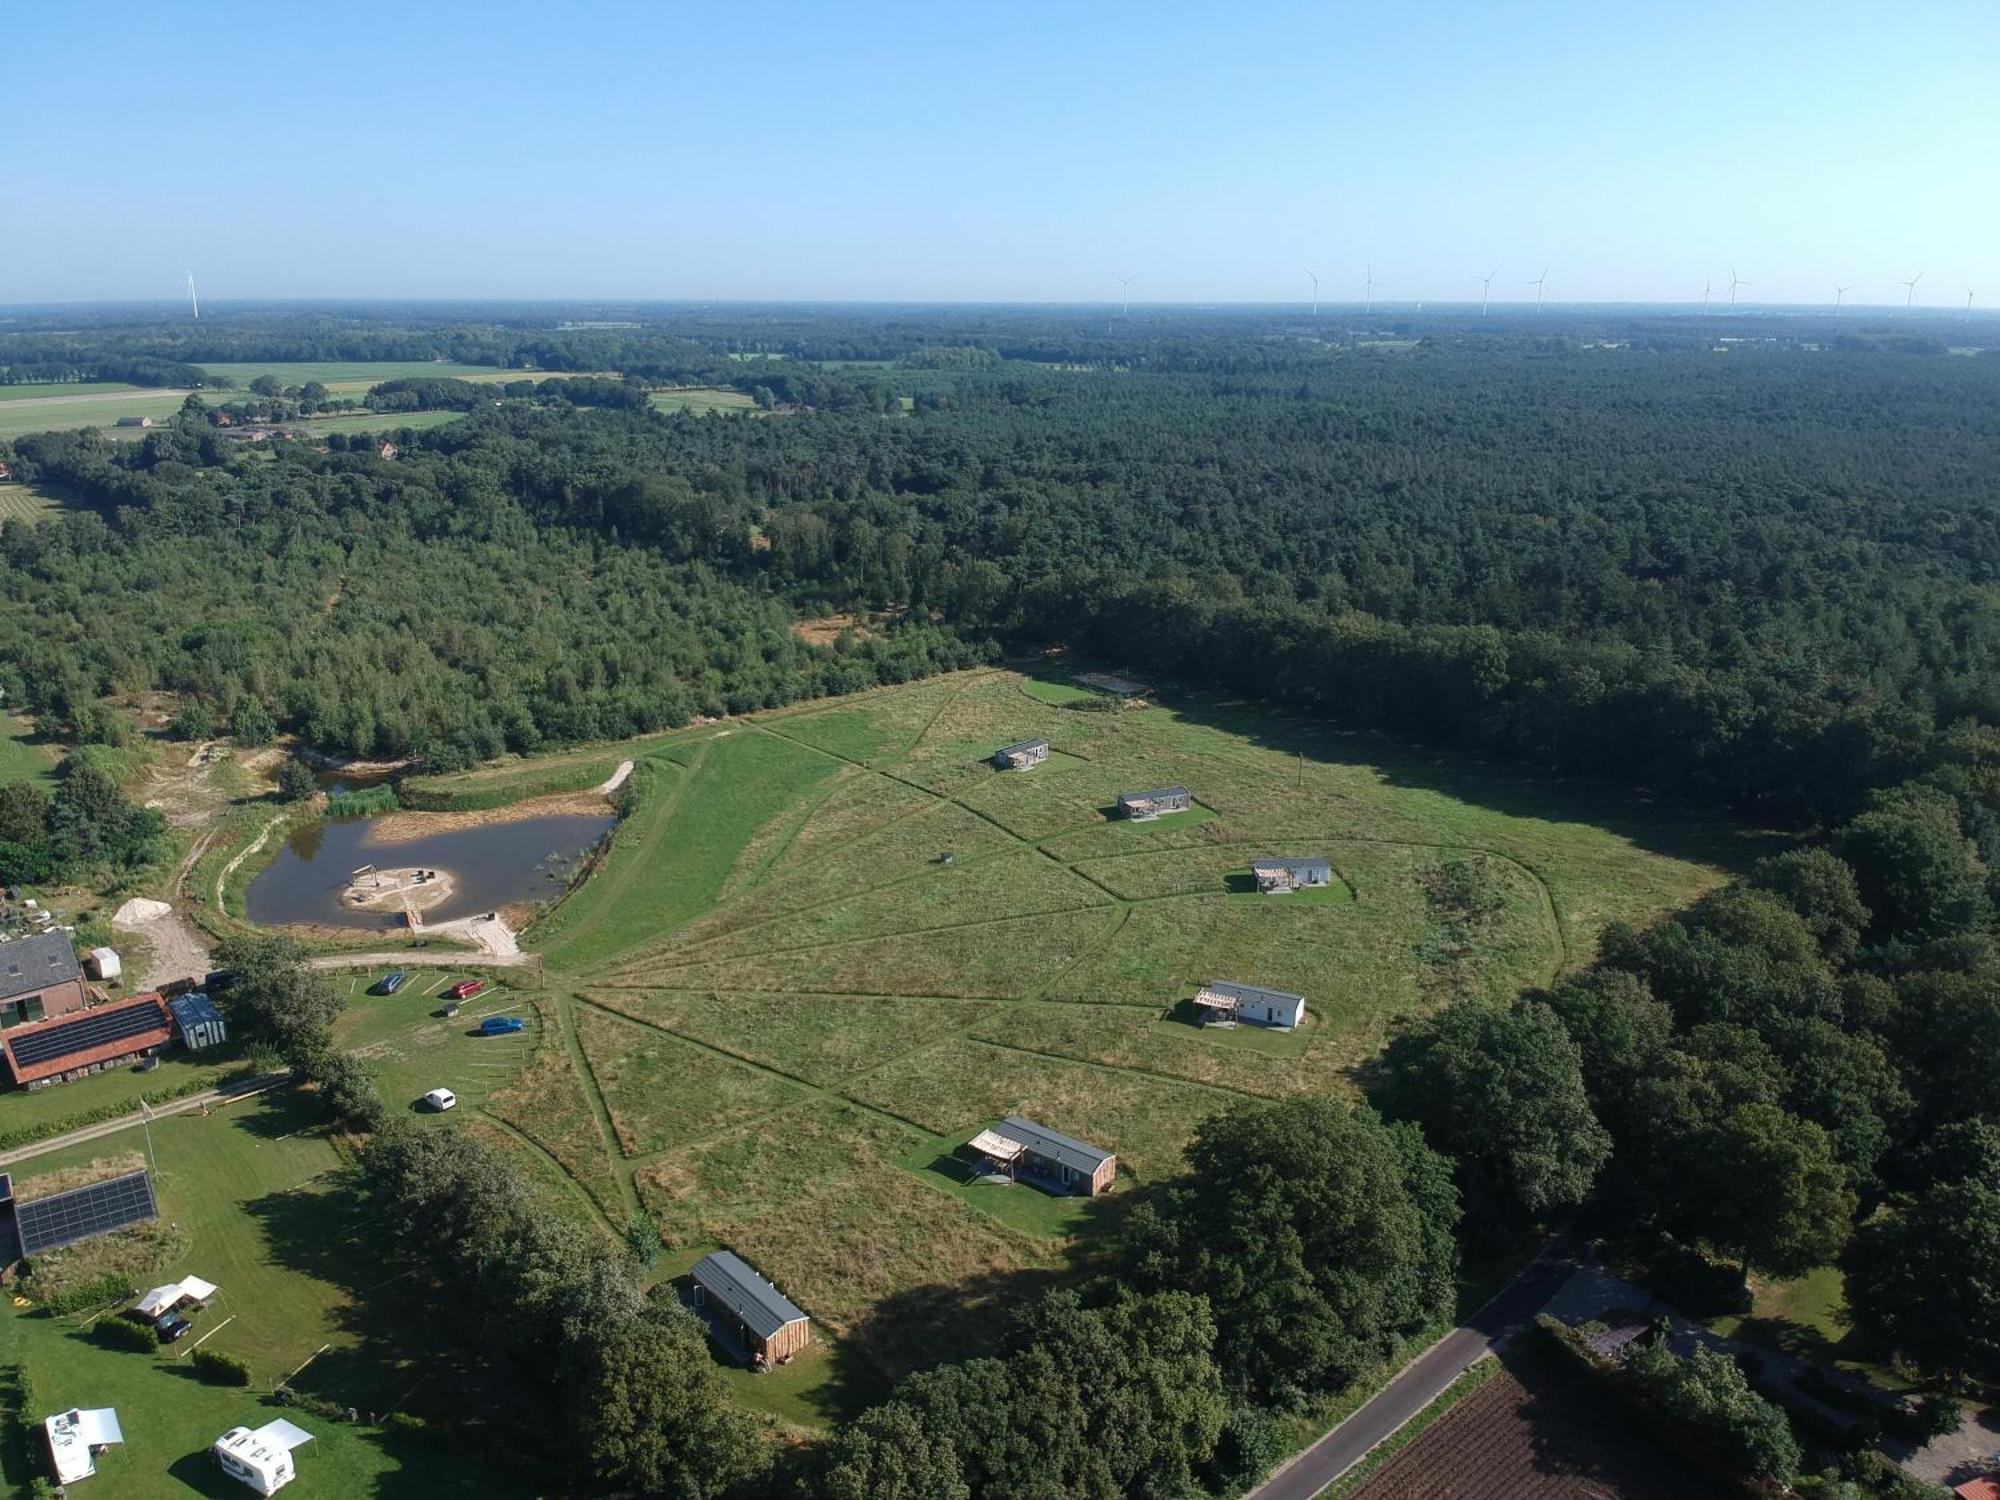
(1979, 1489)
(105, 1052)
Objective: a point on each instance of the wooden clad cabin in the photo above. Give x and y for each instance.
(1017, 1147)
(1276, 877)
(1143, 807)
(745, 1309)
(1021, 757)
(1223, 1003)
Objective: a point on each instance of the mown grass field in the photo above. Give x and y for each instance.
(781, 1011)
(31, 389)
(265, 1208)
(348, 377)
(20, 502)
(69, 410)
(19, 755)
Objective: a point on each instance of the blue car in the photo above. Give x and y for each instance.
(388, 984)
(502, 1025)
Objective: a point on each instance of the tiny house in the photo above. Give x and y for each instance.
(1224, 1003)
(741, 1307)
(1277, 877)
(1021, 757)
(1143, 807)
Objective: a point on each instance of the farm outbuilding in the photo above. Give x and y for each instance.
(135, 422)
(1021, 757)
(1223, 1002)
(743, 1308)
(1143, 807)
(1019, 1147)
(200, 1023)
(1277, 876)
(39, 979)
(41, 1053)
(104, 964)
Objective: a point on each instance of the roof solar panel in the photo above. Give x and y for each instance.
(64, 1218)
(93, 1030)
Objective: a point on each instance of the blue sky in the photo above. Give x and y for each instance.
(1000, 152)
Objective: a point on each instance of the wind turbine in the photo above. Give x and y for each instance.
(1734, 282)
(1838, 293)
(1315, 282)
(1707, 286)
(1968, 301)
(193, 300)
(1126, 283)
(1538, 284)
(1910, 290)
(1486, 296)
(1368, 287)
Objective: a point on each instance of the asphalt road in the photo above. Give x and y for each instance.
(1420, 1383)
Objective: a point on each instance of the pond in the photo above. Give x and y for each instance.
(528, 860)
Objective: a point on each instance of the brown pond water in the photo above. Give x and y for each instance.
(494, 866)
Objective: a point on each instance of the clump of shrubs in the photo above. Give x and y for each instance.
(218, 1368)
(123, 1333)
(100, 1291)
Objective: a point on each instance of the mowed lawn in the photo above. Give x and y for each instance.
(19, 755)
(67, 412)
(20, 502)
(830, 943)
(267, 1211)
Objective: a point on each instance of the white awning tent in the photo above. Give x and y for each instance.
(73, 1437)
(164, 1299)
(282, 1434)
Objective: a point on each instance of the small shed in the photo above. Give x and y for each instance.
(1223, 1001)
(1277, 876)
(104, 964)
(1022, 757)
(1143, 807)
(743, 1307)
(261, 1458)
(77, 1436)
(199, 1022)
(1018, 1146)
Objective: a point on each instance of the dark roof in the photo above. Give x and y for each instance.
(1253, 992)
(65, 1218)
(42, 1049)
(1306, 862)
(1078, 1155)
(193, 1009)
(728, 1279)
(1156, 795)
(32, 963)
(1024, 745)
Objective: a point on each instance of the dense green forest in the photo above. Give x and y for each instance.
(1760, 576)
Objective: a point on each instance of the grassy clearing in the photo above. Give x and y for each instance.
(264, 1211)
(1058, 694)
(701, 400)
(19, 755)
(413, 1050)
(20, 502)
(387, 421)
(511, 781)
(664, 1093)
(51, 1111)
(346, 377)
(69, 412)
(549, 1103)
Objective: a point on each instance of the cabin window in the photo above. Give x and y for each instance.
(700, 1295)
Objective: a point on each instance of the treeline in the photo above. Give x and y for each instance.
(84, 828)
(29, 366)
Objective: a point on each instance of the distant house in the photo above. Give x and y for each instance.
(1223, 1002)
(1018, 1146)
(1143, 807)
(200, 1024)
(41, 1053)
(224, 419)
(386, 452)
(1985, 1488)
(1277, 876)
(743, 1308)
(6, 469)
(135, 421)
(39, 978)
(1020, 757)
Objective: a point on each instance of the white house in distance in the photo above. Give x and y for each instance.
(76, 1437)
(1224, 1003)
(261, 1459)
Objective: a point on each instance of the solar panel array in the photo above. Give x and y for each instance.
(81, 1213)
(94, 1030)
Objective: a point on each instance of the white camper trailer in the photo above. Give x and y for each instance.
(76, 1437)
(261, 1459)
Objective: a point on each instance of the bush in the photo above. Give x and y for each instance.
(113, 1286)
(218, 1368)
(123, 1333)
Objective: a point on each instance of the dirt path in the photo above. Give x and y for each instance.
(408, 958)
(617, 779)
(179, 949)
(242, 854)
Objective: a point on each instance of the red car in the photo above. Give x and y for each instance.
(465, 989)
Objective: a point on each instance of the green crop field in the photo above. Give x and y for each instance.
(775, 1014)
(263, 1205)
(32, 389)
(67, 412)
(349, 377)
(701, 399)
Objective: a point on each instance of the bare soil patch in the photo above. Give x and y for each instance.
(401, 827)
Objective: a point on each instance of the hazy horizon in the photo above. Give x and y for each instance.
(647, 153)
